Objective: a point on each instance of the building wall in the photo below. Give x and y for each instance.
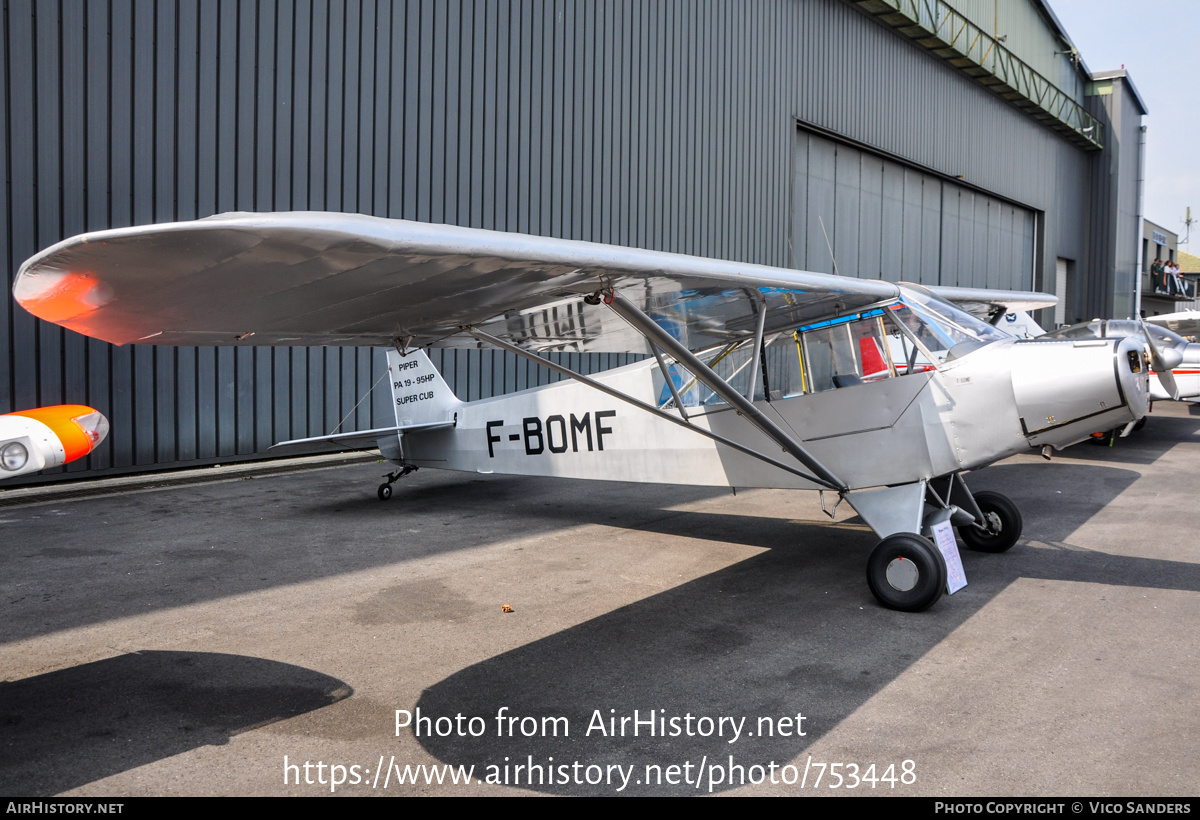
(882, 219)
(1114, 232)
(670, 125)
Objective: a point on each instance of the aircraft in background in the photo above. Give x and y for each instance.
(1167, 351)
(1185, 323)
(756, 376)
(1175, 371)
(32, 440)
(1018, 324)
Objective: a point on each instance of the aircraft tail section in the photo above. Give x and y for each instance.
(420, 396)
(421, 400)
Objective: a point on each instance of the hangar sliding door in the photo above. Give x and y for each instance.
(887, 220)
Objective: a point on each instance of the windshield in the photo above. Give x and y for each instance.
(1085, 330)
(945, 321)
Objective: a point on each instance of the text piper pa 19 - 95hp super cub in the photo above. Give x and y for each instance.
(759, 376)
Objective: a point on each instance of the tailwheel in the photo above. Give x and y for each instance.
(385, 489)
(906, 572)
(1002, 524)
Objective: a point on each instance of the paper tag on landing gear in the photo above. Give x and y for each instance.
(943, 536)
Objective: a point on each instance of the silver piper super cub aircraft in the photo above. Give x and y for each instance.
(755, 377)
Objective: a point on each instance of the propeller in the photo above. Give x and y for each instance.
(1164, 359)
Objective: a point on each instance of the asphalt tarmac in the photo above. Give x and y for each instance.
(214, 637)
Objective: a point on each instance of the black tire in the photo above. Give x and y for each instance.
(906, 572)
(384, 492)
(1140, 424)
(1004, 520)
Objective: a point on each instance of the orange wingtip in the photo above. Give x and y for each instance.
(60, 298)
(80, 428)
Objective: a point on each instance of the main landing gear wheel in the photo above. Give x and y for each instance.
(384, 492)
(906, 572)
(1003, 524)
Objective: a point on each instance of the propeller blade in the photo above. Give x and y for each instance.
(1164, 359)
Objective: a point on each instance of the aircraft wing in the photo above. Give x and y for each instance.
(990, 305)
(1185, 323)
(340, 279)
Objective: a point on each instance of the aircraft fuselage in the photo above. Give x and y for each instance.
(995, 402)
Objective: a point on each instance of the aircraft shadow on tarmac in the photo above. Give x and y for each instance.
(143, 552)
(81, 724)
(93, 560)
(767, 637)
(770, 636)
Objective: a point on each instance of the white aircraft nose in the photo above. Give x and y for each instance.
(32, 440)
(1066, 389)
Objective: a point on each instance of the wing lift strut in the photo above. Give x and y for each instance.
(660, 339)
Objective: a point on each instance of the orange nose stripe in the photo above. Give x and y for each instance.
(61, 419)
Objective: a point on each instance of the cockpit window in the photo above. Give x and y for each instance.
(846, 353)
(912, 336)
(1087, 330)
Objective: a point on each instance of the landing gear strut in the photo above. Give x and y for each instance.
(907, 571)
(385, 489)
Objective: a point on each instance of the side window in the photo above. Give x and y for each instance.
(785, 366)
(819, 347)
(906, 356)
(846, 354)
(732, 363)
(871, 346)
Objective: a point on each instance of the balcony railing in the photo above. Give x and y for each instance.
(939, 28)
(1172, 286)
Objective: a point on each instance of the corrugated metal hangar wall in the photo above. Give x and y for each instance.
(722, 129)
